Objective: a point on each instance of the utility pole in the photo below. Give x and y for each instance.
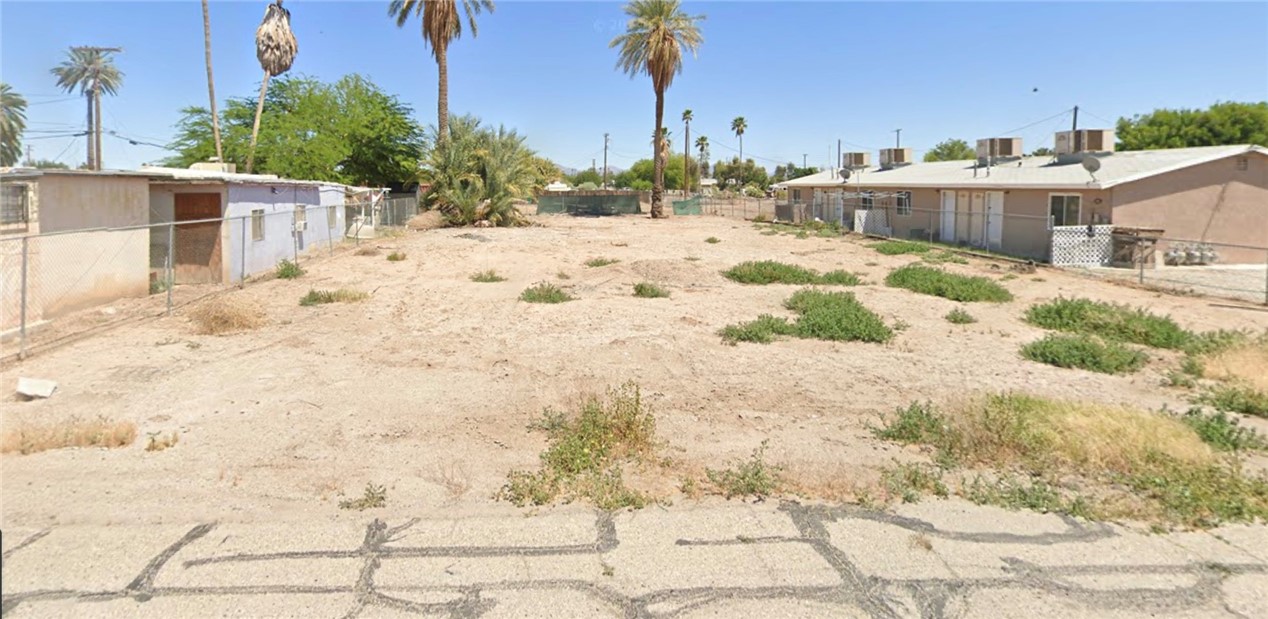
(94, 117)
(593, 165)
(1075, 126)
(30, 159)
(605, 161)
(838, 161)
(803, 161)
(898, 134)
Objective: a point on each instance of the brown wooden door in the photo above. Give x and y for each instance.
(196, 257)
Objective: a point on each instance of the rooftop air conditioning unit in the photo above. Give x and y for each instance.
(894, 157)
(998, 149)
(855, 161)
(1072, 146)
(214, 166)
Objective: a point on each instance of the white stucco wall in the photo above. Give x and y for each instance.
(248, 256)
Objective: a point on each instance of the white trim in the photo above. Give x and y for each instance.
(1078, 218)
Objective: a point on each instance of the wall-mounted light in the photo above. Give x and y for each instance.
(1096, 201)
(275, 190)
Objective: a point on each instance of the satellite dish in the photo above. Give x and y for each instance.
(1091, 164)
(845, 174)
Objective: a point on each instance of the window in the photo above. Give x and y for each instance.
(14, 205)
(257, 224)
(1063, 209)
(331, 218)
(1243, 163)
(866, 201)
(301, 218)
(904, 202)
(796, 195)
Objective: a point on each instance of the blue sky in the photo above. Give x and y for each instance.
(804, 74)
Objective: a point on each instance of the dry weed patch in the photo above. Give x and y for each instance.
(227, 314)
(74, 432)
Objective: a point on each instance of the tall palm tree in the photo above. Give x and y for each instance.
(657, 34)
(686, 151)
(92, 71)
(275, 48)
(738, 126)
(441, 25)
(702, 145)
(12, 124)
(211, 83)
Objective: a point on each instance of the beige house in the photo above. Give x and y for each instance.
(1012, 204)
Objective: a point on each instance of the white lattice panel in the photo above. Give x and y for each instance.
(1082, 246)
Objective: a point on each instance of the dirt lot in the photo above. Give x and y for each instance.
(428, 386)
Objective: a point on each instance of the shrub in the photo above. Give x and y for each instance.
(958, 316)
(159, 442)
(601, 262)
(1236, 398)
(1113, 322)
(649, 291)
(761, 218)
(322, 297)
(74, 432)
(910, 481)
(942, 257)
(895, 247)
(396, 256)
(713, 240)
(936, 282)
(1085, 352)
(760, 331)
(1034, 494)
(487, 277)
(226, 314)
(372, 497)
(750, 478)
(835, 316)
(543, 292)
(771, 272)
(1223, 432)
(288, 270)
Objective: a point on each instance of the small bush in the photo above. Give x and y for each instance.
(936, 282)
(226, 314)
(1223, 432)
(372, 497)
(1033, 494)
(1085, 352)
(646, 290)
(960, 317)
(1112, 322)
(1236, 398)
(918, 423)
(835, 316)
(322, 297)
(288, 270)
(159, 442)
(761, 218)
(771, 272)
(600, 262)
(74, 432)
(544, 293)
(160, 285)
(943, 257)
(910, 481)
(487, 277)
(760, 331)
(750, 478)
(713, 240)
(894, 247)
(396, 256)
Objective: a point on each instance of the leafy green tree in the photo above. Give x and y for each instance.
(791, 171)
(734, 175)
(544, 172)
(587, 175)
(951, 150)
(641, 175)
(12, 124)
(1222, 123)
(657, 35)
(1042, 151)
(478, 173)
(48, 164)
(348, 132)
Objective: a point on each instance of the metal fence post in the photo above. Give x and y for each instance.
(242, 249)
(22, 323)
(171, 276)
(1266, 279)
(1140, 257)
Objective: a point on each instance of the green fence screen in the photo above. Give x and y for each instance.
(690, 206)
(589, 203)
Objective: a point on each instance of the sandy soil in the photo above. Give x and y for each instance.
(427, 387)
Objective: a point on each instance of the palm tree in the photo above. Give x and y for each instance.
(211, 84)
(91, 70)
(686, 151)
(702, 145)
(655, 37)
(441, 26)
(275, 48)
(12, 124)
(738, 126)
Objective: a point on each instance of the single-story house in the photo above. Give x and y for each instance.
(1013, 204)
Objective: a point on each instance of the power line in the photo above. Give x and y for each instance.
(1085, 111)
(67, 149)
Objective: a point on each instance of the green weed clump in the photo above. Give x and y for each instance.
(1236, 397)
(342, 295)
(487, 277)
(288, 270)
(771, 272)
(896, 247)
(936, 282)
(372, 497)
(1112, 322)
(545, 293)
(713, 240)
(1085, 352)
(396, 256)
(1223, 432)
(835, 316)
(943, 257)
(586, 453)
(749, 478)
(911, 481)
(600, 262)
(647, 290)
(958, 316)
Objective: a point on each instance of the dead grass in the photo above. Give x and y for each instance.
(454, 478)
(368, 250)
(341, 295)
(159, 442)
(74, 432)
(227, 314)
(1247, 363)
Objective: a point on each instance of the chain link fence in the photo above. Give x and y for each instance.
(1189, 267)
(59, 285)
